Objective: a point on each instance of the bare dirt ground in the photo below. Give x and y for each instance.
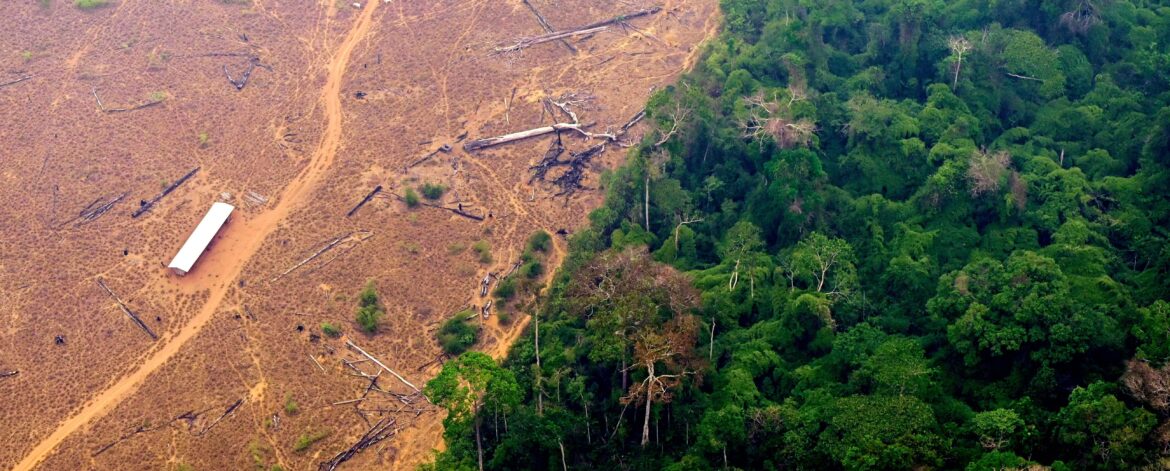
(346, 99)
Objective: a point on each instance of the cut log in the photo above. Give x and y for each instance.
(516, 136)
(14, 82)
(146, 205)
(547, 27)
(370, 196)
(592, 28)
(133, 317)
(8, 374)
(383, 429)
(230, 409)
(384, 367)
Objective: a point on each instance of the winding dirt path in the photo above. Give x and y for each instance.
(242, 240)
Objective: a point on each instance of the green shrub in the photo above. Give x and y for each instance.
(204, 140)
(290, 405)
(457, 335)
(184, 467)
(330, 330)
(410, 198)
(307, 440)
(539, 241)
(532, 269)
(369, 312)
(506, 289)
(456, 248)
(484, 250)
(90, 4)
(432, 191)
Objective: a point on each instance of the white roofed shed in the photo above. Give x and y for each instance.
(201, 237)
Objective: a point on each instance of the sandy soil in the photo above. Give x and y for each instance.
(348, 99)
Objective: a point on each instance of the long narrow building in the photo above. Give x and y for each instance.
(216, 217)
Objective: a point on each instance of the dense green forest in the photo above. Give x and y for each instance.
(879, 234)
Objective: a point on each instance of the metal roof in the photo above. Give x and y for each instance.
(201, 237)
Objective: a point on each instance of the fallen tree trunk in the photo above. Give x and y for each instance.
(516, 136)
(361, 236)
(6, 374)
(120, 110)
(547, 27)
(91, 213)
(370, 196)
(457, 211)
(146, 205)
(384, 367)
(133, 317)
(587, 29)
(383, 429)
(232, 408)
(14, 82)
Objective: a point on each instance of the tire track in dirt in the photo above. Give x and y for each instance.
(244, 241)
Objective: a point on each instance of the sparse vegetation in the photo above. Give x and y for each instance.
(204, 140)
(290, 405)
(410, 197)
(26, 55)
(158, 96)
(457, 335)
(307, 440)
(330, 330)
(369, 312)
(90, 4)
(506, 289)
(432, 191)
(539, 241)
(484, 250)
(184, 467)
(411, 248)
(456, 248)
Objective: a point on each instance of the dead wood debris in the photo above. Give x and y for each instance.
(384, 367)
(230, 409)
(565, 104)
(254, 199)
(14, 82)
(383, 429)
(547, 27)
(94, 210)
(621, 20)
(145, 206)
(133, 317)
(253, 63)
(459, 211)
(147, 104)
(570, 181)
(7, 374)
(369, 196)
(445, 148)
(356, 237)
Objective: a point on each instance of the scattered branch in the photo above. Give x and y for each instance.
(26, 77)
(358, 236)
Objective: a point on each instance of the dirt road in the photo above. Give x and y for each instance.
(244, 238)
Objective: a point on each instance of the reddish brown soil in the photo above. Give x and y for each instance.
(298, 135)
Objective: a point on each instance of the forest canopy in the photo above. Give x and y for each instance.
(884, 234)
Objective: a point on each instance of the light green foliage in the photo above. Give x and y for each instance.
(410, 197)
(307, 439)
(505, 289)
(457, 334)
(290, 405)
(997, 428)
(432, 191)
(484, 250)
(330, 330)
(539, 241)
(369, 311)
(1112, 431)
(90, 4)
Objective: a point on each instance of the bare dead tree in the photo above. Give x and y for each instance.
(775, 119)
(1081, 19)
(959, 46)
(986, 171)
(677, 118)
(522, 43)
